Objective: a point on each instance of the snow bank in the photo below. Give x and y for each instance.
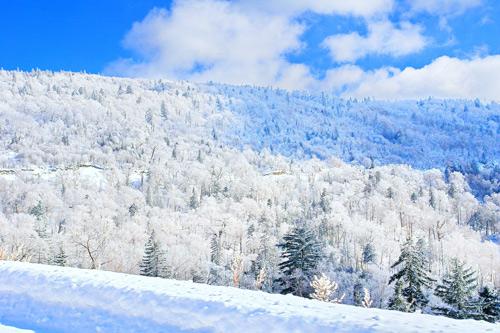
(56, 299)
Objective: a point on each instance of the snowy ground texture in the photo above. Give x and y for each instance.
(55, 299)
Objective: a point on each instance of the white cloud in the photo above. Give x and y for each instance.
(213, 40)
(445, 77)
(244, 41)
(443, 7)
(383, 38)
(235, 42)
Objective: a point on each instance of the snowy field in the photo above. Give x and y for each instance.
(55, 299)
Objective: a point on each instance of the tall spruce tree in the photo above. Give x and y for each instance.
(60, 258)
(153, 261)
(300, 255)
(488, 305)
(456, 291)
(324, 203)
(358, 294)
(413, 274)
(369, 255)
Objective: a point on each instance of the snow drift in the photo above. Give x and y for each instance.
(56, 299)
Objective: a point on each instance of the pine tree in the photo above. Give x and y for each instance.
(398, 301)
(358, 294)
(153, 263)
(300, 256)
(432, 199)
(60, 258)
(193, 201)
(41, 225)
(369, 255)
(215, 249)
(174, 152)
(163, 110)
(323, 202)
(132, 210)
(414, 275)
(456, 291)
(488, 305)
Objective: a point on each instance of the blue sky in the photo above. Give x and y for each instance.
(380, 48)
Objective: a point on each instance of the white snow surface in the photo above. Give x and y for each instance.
(56, 299)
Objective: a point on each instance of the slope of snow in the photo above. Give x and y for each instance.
(55, 299)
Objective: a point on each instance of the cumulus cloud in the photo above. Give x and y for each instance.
(383, 38)
(249, 42)
(212, 40)
(445, 77)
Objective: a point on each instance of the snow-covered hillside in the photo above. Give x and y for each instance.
(459, 134)
(54, 299)
(92, 167)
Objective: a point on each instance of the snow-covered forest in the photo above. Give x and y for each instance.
(206, 182)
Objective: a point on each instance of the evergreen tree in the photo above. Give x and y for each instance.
(38, 211)
(60, 258)
(456, 291)
(216, 268)
(369, 255)
(41, 226)
(215, 249)
(413, 273)
(132, 210)
(193, 201)
(398, 301)
(174, 152)
(358, 294)
(300, 257)
(163, 110)
(488, 305)
(324, 203)
(153, 263)
(432, 199)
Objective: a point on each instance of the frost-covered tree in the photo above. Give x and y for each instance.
(456, 291)
(300, 255)
(367, 299)
(60, 258)
(193, 200)
(324, 288)
(132, 210)
(153, 261)
(358, 294)
(215, 249)
(369, 255)
(413, 273)
(323, 202)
